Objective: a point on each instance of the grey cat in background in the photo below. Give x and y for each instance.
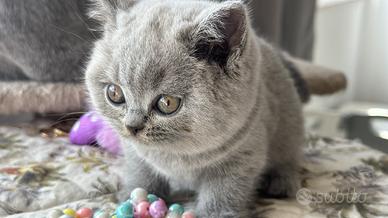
(200, 101)
(44, 40)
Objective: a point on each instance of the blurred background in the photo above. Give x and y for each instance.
(346, 35)
(351, 36)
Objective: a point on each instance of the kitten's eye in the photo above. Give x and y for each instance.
(168, 104)
(115, 94)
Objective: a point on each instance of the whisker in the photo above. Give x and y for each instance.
(52, 125)
(64, 115)
(69, 113)
(73, 49)
(84, 22)
(68, 32)
(76, 113)
(73, 113)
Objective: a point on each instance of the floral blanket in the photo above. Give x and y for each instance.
(40, 173)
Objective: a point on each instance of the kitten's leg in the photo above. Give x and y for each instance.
(281, 177)
(137, 174)
(280, 181)
(229, 197)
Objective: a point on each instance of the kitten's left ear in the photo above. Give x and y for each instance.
(221, 32)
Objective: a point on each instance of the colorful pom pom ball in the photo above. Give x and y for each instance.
(188, 215)
(176, 208)
(84, 213)
(138, 195)
(152, 198)
(142, 210)
(125, 210)
(158, 209)
(69, 212)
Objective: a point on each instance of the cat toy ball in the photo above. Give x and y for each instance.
(144, 205)
(91, 129)
(140, 205)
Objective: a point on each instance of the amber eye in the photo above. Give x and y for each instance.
(168, 105)
(115, 94)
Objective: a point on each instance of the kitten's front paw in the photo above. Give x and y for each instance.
(225, 212)
(275, 184)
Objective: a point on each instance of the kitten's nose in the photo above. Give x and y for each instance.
(135, 121)
(135, 129)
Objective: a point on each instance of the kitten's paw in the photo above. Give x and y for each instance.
(225, 214)
(225, 211)
(275, 184)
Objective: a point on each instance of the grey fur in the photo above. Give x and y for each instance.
(44, 40)
(241, 116)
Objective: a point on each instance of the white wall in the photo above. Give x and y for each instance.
(338, 28)
(372, 69)
(352, 36)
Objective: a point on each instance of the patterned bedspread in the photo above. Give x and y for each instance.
(39, 174)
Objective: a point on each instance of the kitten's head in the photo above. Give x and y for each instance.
(172, 75)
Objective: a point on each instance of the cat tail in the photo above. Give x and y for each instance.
(311, 79)
(36, 97)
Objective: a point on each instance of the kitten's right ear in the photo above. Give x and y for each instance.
(105, 11)
(221, 33)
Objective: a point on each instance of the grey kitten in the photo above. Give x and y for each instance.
(44, 40)
(200, 101)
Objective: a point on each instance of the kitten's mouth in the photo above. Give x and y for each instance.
(153, 136)
(149, 139)
(143, 142)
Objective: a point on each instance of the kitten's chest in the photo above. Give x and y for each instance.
(175, 168)
(179, 178)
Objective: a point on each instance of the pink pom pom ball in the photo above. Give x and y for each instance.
(84, 213)
(142, 210)
(188, 215)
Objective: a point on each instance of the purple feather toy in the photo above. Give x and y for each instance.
(91, 129)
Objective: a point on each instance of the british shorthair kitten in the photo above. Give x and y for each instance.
(200, 101)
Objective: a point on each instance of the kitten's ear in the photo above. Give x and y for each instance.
(221, 33)
(105, 11)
